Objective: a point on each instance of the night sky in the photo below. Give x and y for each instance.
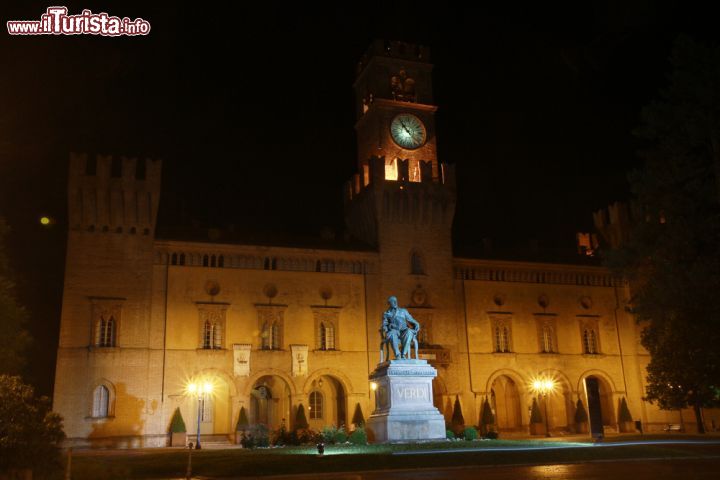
(252, 113)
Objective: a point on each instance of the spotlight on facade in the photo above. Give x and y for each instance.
(200, 390)
(543, 386)
(373, 386)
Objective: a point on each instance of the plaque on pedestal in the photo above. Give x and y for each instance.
(404, 410)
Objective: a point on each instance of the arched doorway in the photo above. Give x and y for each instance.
(598, 395)
(559, 407)
(505, 402)
(214, 408)
(270, 402)
(327, 403)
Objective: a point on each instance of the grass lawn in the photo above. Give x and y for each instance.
(287, 460)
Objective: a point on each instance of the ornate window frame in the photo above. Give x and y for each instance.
(590, 334)
(106, 314)
(501, 332)
(547, 323)
(271, 325)
(326, 316)
(215, 315)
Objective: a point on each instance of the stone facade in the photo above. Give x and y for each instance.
(272, 328)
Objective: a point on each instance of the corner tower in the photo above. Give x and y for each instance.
(108, 353)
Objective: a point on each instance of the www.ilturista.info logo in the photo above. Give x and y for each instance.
(56, 21)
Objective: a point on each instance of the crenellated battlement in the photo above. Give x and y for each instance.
(111, 194)
(394, 49)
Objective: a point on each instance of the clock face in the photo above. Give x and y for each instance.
(408, 131)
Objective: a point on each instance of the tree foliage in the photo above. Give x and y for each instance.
(14, 339)
(177, 424)
(581, 415)
(624, 412)
(487, 418)
(458, 421)
(30, 433)
(535, 415)
(242, 423)
(358, 418)
(300, 418)
(672, 253)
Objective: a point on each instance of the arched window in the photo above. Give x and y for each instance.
(101, 402)
(105, 332)
(327, 336)
(174, 259)
(212, 335)
(416, 264)
(316, 405)
(182, 259)
(206, 261)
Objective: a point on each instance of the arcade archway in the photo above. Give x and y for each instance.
(270, 402)
(327, 403)
(505, 402)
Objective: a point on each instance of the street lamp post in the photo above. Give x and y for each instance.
(543, 387)
(201, 390)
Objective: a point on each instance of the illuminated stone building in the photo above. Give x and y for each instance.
(277, 327)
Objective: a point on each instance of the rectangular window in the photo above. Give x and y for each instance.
(206, 411)
(391, 169)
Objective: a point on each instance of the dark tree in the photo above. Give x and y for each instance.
(487, 418)
(581, 415)
(14, 339)
(242, 423)
(358, 418)
(624, 412)
(458, 421)
(671, 255)
(300, 418)
(30, 433)
(535, 415)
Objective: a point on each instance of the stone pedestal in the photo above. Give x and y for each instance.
(404, 410)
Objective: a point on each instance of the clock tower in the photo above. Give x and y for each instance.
(402, 200)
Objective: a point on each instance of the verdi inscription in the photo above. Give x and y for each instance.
(411, 393)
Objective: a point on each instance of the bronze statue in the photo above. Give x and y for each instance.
(397, 333)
